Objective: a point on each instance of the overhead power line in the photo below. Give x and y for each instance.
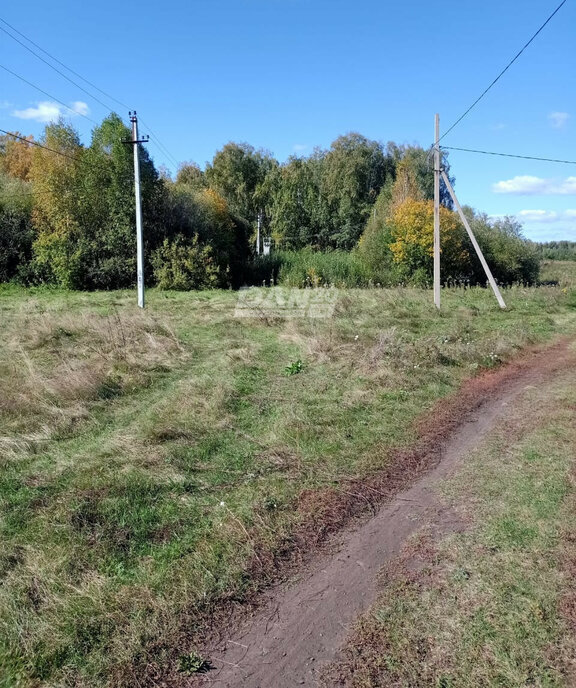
(502, 72)
(159, 144)
(61, 102)
(118, 102)
(95, 165)
(39, 145)
(509, 155)
(54, 68)
(153, 135)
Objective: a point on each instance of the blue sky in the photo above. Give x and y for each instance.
(288, 75)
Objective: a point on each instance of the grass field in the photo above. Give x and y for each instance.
(493, 605)
(562, 271)
(156, 464)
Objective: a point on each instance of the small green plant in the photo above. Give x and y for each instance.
(294, 368)
(270, 503)
(193, 663)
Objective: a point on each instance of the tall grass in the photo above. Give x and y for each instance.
(308, 268)
(561, 271)
(152, 464)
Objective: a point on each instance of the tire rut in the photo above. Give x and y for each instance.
(302, 626)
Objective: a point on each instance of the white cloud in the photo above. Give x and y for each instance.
(47, 111)
(558, 120)
(546, 225)
(299, 147)
(5, 105)
(527, 185)
(546, 215)
(538, 215)
(80, 107)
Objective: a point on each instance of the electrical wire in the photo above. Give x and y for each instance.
(118, 102)
(39, 145)
(502, 72)
(48, 94)
(54, 68)
(509, 155)
(153, 135)
(154, 138)
(99, 166)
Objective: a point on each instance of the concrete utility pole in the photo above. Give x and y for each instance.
(258, 233)
(437, 211)
(477, 248)
(139, 236)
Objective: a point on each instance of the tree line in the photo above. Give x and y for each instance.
(557, 250)
(67, 216)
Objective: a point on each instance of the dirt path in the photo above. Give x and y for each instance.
(302, 626)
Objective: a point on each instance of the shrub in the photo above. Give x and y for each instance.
(373, 252)
(201, 212)
(182, 265)
(309, 268)
(398, 247)
(265, 269)
(512, 259)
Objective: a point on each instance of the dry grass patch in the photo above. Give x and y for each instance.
(56, 366)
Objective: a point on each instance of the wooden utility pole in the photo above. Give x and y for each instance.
(437, 211)
(477, 248)
(139, 232)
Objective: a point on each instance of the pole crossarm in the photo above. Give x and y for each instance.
(146, 140)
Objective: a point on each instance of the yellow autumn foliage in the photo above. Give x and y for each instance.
(16, 157)
(412, 233)
(215, 201)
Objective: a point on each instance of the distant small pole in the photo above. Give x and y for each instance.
(437, 211)
(139, 233)
(258, 233)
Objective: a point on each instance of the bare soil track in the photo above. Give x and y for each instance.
(300, 627)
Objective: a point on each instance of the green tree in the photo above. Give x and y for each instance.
(297, 210)
(190, 174)
(237, 173)
(108, 240)
(354, 171)
(57, 180)
(374, 244)
(201, 213)
(325, 200)
(84, 207)
(16, 231)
